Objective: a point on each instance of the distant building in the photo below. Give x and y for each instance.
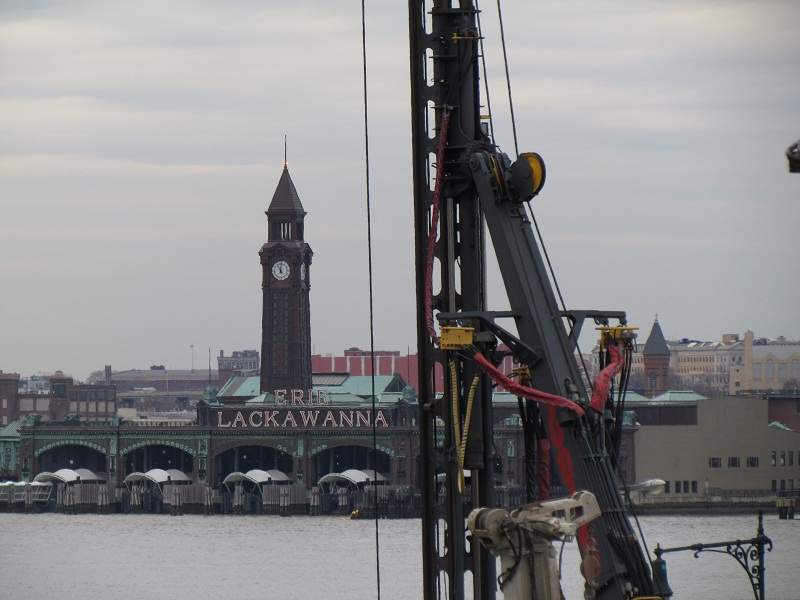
(240, 362)
(655, 357)
(65, 399)
(767, 365)
(35, 384)
(9, 385)
(88, 402)
(161, 379)
(159, 389)
(716, 446)
(356, 361)
(732, 365)
(706, 364)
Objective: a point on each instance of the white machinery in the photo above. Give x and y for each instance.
(523, 539)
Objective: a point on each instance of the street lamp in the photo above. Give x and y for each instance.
(192, 347)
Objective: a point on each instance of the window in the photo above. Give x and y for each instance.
(791, 458)
(783, 484)
(774, 458)
(752, 461)
(733, 462)
(783, 458)
(694, 487)
(774, 485)
(511, 449)
(666, 487)
(685, 487)
(5, 404)
(677, 487)
(715, 462)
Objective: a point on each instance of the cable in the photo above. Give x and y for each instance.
(485, 77)
(371, 303)
(462, 450)
(455, 416)
(508, 78)
(530, 209)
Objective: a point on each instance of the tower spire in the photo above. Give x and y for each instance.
(285, 161)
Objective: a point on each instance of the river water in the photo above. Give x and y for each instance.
(131, 557)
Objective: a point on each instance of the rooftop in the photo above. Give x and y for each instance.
(285, 200)
(656, 345)
(11, 430)
(163, 375)
(345, 388)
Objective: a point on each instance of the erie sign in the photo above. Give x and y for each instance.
(292, 418)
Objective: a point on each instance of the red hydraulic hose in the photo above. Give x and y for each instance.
(435, 206)
(603, 380)
(526, 392)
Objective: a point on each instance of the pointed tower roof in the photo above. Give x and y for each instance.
(285, 200)
(656, 345)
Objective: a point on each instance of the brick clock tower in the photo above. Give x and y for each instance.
(656, 362)
(286, 319)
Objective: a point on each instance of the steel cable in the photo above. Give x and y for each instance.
(371, 303)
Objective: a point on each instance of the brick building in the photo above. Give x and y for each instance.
(355, 361)
(88, 402)
(9, 386)
(240, 362)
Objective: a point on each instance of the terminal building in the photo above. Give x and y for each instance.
(270, 416)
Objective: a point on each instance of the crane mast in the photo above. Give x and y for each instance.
(477, 188)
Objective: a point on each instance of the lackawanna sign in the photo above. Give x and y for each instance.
(294, 418)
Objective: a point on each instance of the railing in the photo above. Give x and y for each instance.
(156, 424)
(748, 553)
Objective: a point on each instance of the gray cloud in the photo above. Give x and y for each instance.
(140, 143)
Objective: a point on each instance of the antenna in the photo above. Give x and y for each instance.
(285, 162)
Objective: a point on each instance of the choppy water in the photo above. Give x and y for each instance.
(127, 557)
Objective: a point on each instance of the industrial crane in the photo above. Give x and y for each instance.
(464, 185)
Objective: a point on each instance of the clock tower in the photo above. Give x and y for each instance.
(286, 320)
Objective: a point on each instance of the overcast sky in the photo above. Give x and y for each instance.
(141, 141)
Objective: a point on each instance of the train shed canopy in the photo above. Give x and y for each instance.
(159, 476)
(355, 477)
(258, 477)
(69, 476)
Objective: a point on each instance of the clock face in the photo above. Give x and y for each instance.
(280, 270)
(303, 272)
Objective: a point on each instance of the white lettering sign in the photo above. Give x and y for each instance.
(301, 397)
(329, 418)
